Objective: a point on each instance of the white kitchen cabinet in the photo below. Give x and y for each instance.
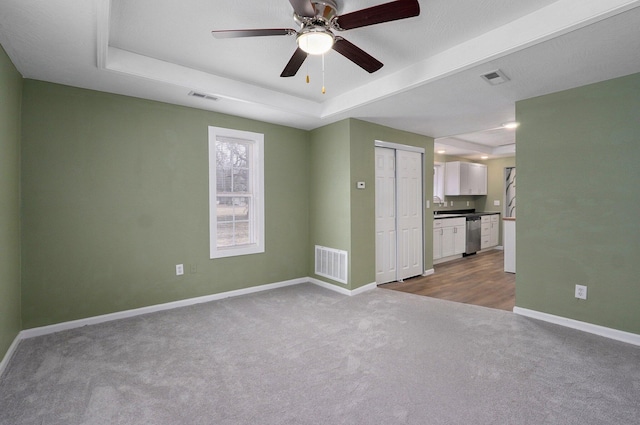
(460, 237)
(485, 233)
(449, 237)
(465, 178)
(490, 231)
(437, 239)
(495, 230)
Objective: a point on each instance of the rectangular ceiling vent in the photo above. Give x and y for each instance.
(495, 77)
(202, 95)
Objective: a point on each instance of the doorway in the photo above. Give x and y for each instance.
(399, 212)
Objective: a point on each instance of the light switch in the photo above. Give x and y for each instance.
(360, 185)
(496, 203)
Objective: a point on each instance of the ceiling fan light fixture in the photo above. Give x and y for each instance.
(315, 40)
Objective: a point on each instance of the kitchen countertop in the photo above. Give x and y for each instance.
(456, 215)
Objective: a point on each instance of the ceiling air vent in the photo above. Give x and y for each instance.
(495, 77)
(202, 95)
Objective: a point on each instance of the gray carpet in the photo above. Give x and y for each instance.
(306, 355)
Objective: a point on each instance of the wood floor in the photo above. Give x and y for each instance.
(478, 279)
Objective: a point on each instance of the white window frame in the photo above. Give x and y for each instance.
(438, 182)
(257, 184)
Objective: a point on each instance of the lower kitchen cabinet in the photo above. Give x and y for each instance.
(495, 230)
(490, 231)
(449, 237)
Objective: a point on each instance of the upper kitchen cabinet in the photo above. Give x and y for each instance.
(465, 178)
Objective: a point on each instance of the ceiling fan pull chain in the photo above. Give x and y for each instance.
(323, 90)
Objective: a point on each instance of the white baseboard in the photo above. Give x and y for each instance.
(623, 336)
(429, 272)
(365, 288)
(45, 330)
(9, 354)
(341, 290)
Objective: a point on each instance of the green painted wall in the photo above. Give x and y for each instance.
(115, 194)
(10, 99)
(578, 196)
(330, 205)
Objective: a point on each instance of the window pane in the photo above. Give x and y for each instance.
(242, 233)
(241, 208)
(241, 181)
(223, 154)
(224, 209)
(240, 155)
(225, 234)
(223, 179)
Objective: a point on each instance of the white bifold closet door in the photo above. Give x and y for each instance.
(399, 221)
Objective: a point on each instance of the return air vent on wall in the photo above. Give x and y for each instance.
(202, 95)
(331, 263)
(495, 77)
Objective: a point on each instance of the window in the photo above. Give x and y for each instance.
(438, 182)
(236, 192)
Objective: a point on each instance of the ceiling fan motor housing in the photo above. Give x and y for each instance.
(325, 12)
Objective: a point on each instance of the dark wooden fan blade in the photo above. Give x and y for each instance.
(303, 8)
(294, 63)
(387, 12)
(356, 55)
(252, 33)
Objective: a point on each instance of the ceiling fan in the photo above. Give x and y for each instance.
(318, 19)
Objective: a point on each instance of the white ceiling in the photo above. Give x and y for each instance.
(430, 84)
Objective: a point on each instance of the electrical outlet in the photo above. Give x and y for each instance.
(467, 203)
(451, 203)
(581, 292)
(179, 269)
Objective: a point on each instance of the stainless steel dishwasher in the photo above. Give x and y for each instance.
(474, 233)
